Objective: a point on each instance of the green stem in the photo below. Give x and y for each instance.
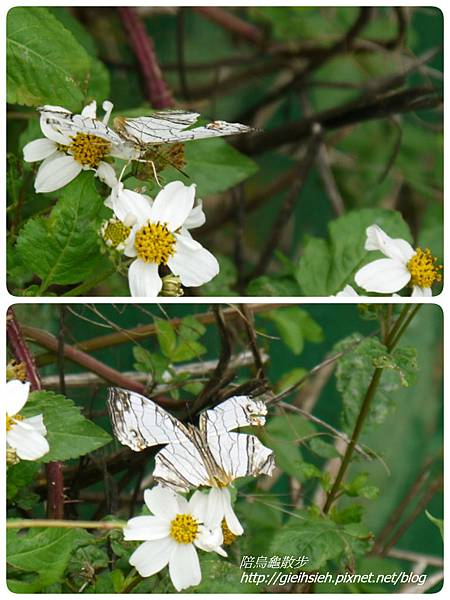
(59, 523)
(392, 339)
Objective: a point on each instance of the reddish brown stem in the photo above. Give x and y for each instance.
(156, 89)
(232, 23)
(55, 479)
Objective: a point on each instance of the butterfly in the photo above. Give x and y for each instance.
(208, 455)
(172, 126)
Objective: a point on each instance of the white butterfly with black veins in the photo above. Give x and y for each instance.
(170, 126)
(208, 455)
(132, 137)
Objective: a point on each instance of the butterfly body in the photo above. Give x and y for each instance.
(208, 455)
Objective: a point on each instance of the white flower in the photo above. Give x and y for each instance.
(171, 535)
(74, 143)
(25, 436)
(403, 266)
(159, 236)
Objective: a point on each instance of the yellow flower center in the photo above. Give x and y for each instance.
(228, 536)
(16, 370)
(89, 150)
(183, 529)
(154, 243)
(114, 232)
(423, 269)
(10, 421)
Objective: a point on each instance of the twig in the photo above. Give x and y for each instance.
(288, 205)
(194, 369)
(156, 88)
(55, 480)
(61, 524)
(317, 421)
(232, 23)
(351, 113)
(143, 331)
(247, 317)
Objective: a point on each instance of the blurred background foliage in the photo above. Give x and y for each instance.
(269, 67)
(403, 435)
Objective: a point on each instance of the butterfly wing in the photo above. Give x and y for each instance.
(238, 411)
(241, 455)
(181, 467)
(171, 126)
(140, 423)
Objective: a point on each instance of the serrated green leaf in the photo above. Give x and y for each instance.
(45, 63)
(320, 539)
(19, 476)
(69, 434)
(63, 249)
(326, 266)
(45, 552)
(354, 372)
(214, 165)
(220, 576)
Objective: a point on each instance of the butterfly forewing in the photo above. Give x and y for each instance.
(140, 423)
(171, 126)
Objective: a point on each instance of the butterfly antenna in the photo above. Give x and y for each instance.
(155, 174)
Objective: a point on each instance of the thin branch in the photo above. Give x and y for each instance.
(157, 91)
(61, 524)
(288, 205)
(232, 23)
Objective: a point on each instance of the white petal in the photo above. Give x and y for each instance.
(56, 172)
(162, 502)
(192, 263)
(16, 396)
(215, 510)
(210, 540)
(396, 249)
(146, 528)
(106, 173)
(36, 423)
(152, 556)
(53, 132)
(420, 292)
(184, 567)
(127, 202)
(198, 504)
(347, 291)
(90, 110)
(173, 204)
(38, 150)
(144, 279)
(383, 276)
(107, 107)
(28, 443)
(196, 218)
(232, 521)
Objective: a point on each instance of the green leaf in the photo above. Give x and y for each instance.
(166, 335)
(295, 326)
(45, 552)
(326, 266)
(320, 539)
(273, 286)
(290, 378)
(355, 369)
(63, 248)
(283, 434)
(69, 434)
(322, 448)
(359, 486)
(220, 576)
(45, 63)
(438, 522)
(213, 165)
(19, 476)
